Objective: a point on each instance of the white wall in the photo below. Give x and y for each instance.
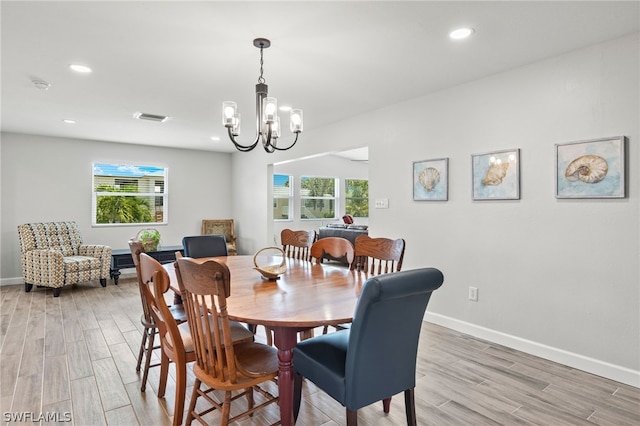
(49, 179)
(558, 278)
(321, 166)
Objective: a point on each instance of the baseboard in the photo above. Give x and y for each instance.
(580, 362)
(11, 281)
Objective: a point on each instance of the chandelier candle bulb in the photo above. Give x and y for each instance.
(229, 113)
(275, 128)
(270, 109)
(296, 120)
(235, 130)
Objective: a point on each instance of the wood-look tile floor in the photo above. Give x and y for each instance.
(71, 360)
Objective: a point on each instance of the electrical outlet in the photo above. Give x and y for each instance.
(473, 294)
(382, 203)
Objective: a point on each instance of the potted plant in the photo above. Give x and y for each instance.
(150, 239)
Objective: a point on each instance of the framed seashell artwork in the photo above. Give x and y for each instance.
(431, 180)
(496, 175)
(591, 169)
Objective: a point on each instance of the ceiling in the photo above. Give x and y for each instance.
(333, 59)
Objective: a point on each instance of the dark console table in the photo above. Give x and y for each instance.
(349, 234)
(121, 259)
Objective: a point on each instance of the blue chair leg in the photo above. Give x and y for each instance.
(410, 407)
(297, 395)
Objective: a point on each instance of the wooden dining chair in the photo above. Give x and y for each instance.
(147, 345)
(176, 341)
(376, 357)
(378, 255)
(235, 369)
(375, 256)
(334, 248)
(297, 244)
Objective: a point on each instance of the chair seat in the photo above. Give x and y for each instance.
(256, 362)
(178, 313)
(74, 264)
(323, 360)
(256, 358)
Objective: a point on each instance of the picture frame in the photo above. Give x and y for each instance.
(592, 168)
(496, 175)
(431, 180)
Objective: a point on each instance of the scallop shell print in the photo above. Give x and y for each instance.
(429, 178)
(587, 169)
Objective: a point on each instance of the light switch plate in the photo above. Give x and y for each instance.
(382, 203)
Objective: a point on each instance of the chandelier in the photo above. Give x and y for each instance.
(267, 120)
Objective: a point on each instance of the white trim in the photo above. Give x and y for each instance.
(11, 281)
(594, 366)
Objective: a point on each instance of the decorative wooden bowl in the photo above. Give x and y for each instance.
(271, 266)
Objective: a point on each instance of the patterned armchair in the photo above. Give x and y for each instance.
(224, 227)
(52, 255)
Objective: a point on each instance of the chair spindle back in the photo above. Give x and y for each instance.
(378, 255)
(297, 244)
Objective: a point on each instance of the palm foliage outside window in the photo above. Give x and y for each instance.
(357, 197)
(318, 198)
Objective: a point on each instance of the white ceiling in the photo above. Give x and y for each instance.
(333, 59)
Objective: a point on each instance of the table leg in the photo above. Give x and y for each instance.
(285, 339)
(115, 274)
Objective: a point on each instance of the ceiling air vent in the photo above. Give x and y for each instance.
(150, 117)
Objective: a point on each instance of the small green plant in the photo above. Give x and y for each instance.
(150, 239)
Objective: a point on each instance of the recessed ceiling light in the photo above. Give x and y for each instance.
(285, 108)
(80, 68)
(41, 84)
(215, 138)
(461, 33)
(67, 121)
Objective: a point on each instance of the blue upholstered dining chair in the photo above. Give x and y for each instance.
(376, 358)
(204, 246)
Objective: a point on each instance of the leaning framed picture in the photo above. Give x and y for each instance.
(431, 180)
(496, 175)
(591, 169)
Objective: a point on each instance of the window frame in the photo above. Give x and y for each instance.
(347, 198)
(335, 198)
(290, 197)
(122, 171)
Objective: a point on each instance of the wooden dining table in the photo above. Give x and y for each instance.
(306, 296)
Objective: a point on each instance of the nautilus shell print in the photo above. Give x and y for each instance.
(429, 178)
(587, 169)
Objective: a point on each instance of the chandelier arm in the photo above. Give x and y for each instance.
(239, 147)
(289, 147)
(266, 141)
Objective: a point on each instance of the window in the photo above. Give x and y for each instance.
(282, 197)
(124, 193)
(318, 198)
(356, 197)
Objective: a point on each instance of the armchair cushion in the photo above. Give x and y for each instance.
(52, 255)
